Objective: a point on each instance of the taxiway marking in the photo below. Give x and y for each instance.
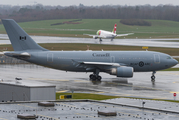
(81, 81)
(48, 79)
(62, 91)
(3, 119)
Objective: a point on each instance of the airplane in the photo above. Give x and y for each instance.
(118, 63)
(107, 34)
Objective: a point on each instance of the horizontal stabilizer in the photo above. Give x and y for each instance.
(23, 55)
(1, 53)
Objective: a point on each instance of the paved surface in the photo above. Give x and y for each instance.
(139, 86)
(170, 43)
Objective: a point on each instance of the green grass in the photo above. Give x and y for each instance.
(104, 97)
(159, 28)
(171, 69)
(86, 96)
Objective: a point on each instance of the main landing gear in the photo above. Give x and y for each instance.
(153, 76)
(95, 76)
(100, 40)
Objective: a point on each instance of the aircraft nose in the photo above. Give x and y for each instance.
(174, 62)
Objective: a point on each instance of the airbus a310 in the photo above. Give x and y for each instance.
(118, 63)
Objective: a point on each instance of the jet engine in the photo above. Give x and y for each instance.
(94, 37)
(122, 71)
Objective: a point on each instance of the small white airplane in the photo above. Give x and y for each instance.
(107, 34)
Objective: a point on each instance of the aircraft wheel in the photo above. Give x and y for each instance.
(153, 78)
(94, 77)
(91, 76)
(99, 78)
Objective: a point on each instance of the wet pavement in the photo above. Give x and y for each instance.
(139, 86)
(170, 43)
(127, 109)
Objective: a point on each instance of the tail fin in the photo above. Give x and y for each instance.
(20, 40)
(114, 30)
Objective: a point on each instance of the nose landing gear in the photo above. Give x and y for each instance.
(153, 76)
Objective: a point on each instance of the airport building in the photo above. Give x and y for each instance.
(26, 91)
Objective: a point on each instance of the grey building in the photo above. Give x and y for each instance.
(26, 91)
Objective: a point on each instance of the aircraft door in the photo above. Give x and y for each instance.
(50, 57)
(112, 59)
(156, 59)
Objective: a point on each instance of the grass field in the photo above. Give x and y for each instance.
(159, 28)
(103, 97)
(82, 46)
(86, 96)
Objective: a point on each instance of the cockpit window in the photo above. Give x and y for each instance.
(169, 57)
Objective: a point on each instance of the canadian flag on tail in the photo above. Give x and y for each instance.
(114, 30)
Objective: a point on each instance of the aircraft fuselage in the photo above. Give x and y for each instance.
(141, 61)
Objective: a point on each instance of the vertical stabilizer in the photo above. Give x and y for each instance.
(114, 30)
(20, 40)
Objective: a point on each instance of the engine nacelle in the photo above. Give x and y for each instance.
(122, 71)
(94, 37)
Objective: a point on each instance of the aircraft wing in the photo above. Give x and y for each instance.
(91, 35)
(94, 65)
(119, 35)
(100, 63)
(104, 66)
(95, 36)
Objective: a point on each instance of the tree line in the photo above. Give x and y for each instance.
(40, 12)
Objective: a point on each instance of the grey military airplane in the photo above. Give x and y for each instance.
(119, 63)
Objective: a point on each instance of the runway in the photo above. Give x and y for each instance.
(169, 43)
(139, 86)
